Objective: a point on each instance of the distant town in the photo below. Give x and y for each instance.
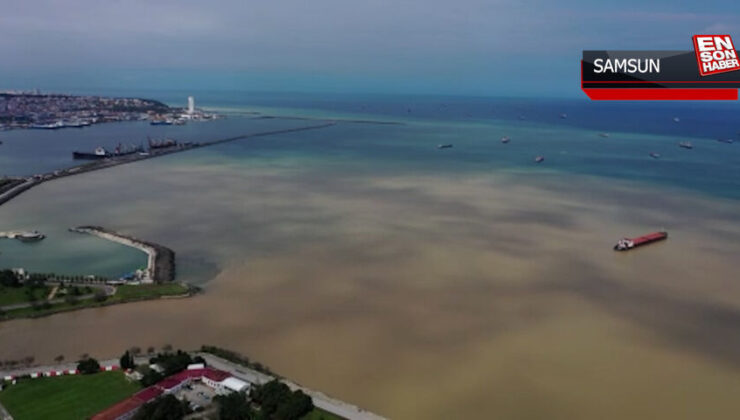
(51, 111)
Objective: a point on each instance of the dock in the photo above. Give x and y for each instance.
(161, 260)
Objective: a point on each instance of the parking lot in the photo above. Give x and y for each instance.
(197, 393)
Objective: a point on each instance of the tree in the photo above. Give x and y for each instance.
(59, 358)
(100, 296)
(150, 350)
(135, 351)
(88, 366)
(71, 300)
(9, 279)
(234, 406)
(127, 361)
(150, 377)
(166, 407)
(277, 401)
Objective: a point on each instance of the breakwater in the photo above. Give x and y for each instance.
(161, 262)
(16, 186)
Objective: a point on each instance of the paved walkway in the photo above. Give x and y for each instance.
(320, 400)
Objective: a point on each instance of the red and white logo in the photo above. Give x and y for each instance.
(715, 54)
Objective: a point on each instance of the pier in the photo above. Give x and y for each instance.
(161, 262)
(12, 187)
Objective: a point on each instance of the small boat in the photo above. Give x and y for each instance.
(32, 236)
(563, 116)
(676, 119)
(23, 236)
(604, 135)
(728, 141)
(539, 159)
(444, 146)
(505, 139)
(161, 122)
(521, 117)
(655, 155)
(686, 145)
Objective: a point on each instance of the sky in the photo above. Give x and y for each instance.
(467, 47)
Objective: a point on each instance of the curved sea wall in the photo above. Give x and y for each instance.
(161, 261)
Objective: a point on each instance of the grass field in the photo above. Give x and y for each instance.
(66, 397)
(319, 414)
(149, 291)
(12, 295)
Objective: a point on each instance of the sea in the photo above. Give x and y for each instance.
(418, 282)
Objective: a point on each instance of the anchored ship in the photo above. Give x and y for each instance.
(154, 144)
(505, 139)
(625, 244)
(99, 153)
(444, 146)
(686, 145)
(539, 159)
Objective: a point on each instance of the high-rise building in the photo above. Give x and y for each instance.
(191, 104)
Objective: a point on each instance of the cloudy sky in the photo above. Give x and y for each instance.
(489, 47)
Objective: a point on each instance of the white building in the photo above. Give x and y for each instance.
(191, 105)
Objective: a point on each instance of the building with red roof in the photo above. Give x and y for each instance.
(219, 380)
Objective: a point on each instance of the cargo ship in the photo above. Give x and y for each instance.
(99, 153)
(444, 146)
(162, 144)
(625, 244)
(686, 145)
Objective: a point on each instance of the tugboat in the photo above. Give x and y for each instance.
(505, 139)
(655, 155)
(539, 159)
(625, 244)
(444, 146)
(99, 153)
(686, 145)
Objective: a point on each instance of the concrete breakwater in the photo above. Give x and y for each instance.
(17, 186)
(161, 262)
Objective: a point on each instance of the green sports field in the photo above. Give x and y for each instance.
(66, 397)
